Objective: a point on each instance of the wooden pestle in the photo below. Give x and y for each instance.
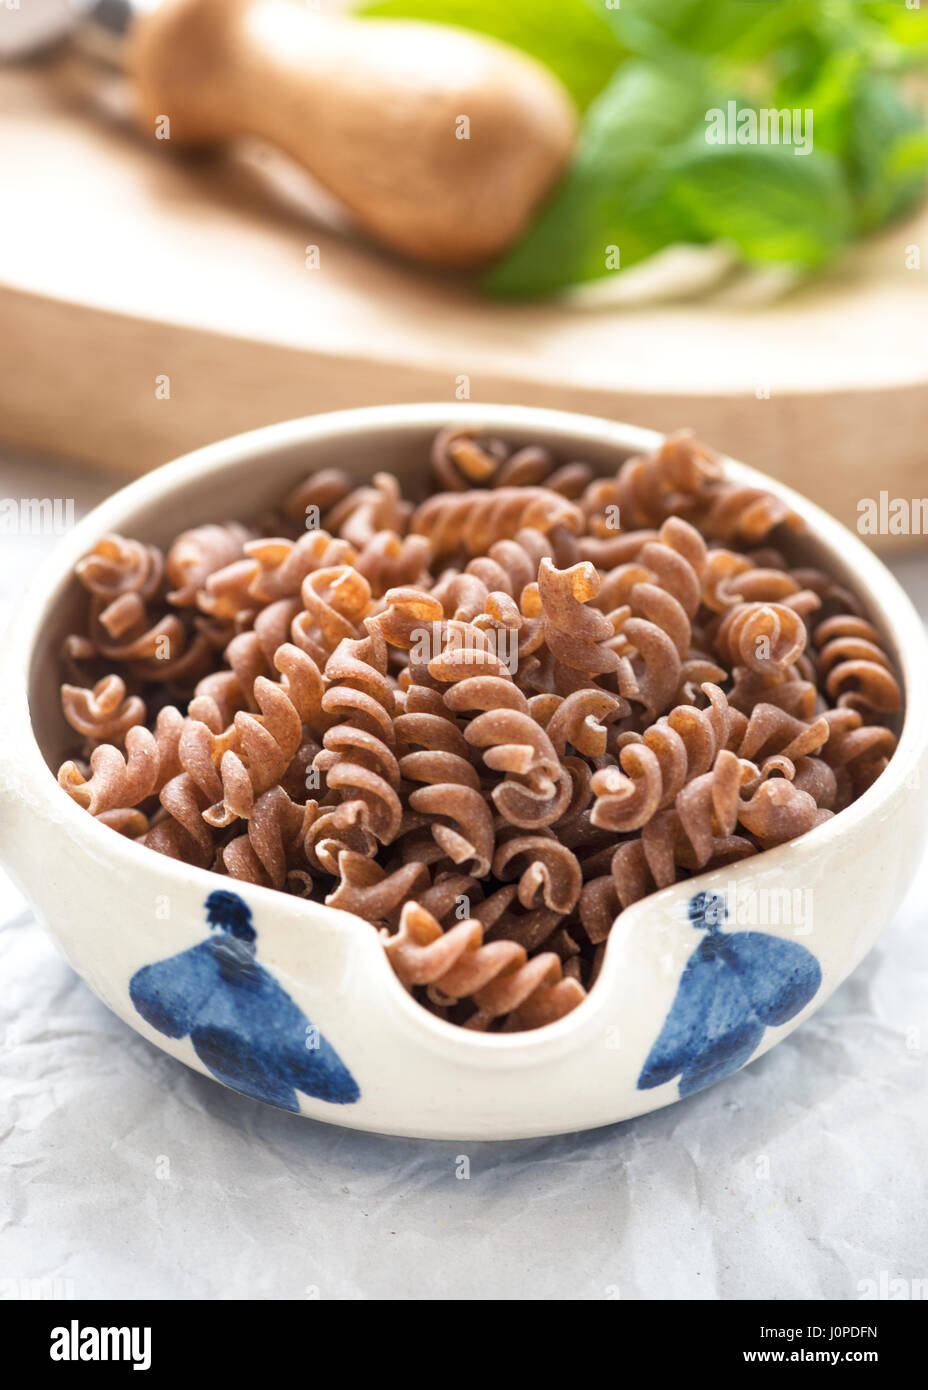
(374, 109)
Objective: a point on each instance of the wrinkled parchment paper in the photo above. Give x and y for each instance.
(124, 1174)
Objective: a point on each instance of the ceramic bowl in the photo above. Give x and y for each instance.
(296, 1004)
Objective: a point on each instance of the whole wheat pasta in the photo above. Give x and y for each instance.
(118, 566)
(531, 929)
(655, 598)
(197, 554)
(275, 829)
(662, 854)
(368, 890)
(855, 670)
(778, 811)
(648, 489)
(653, 767)
(119, 782)
(578, 636)
(536, 788)
(316, 496)
(773, 731)
(335, 602)
(388, 560)
(251, 654)
(357, 756)
(708, 806)
(813, 775)
(510, 565)
(789, 691)
(104, 713)
(497, 977)
(765, 637)
(279, 566)
(581, 720)
(367, 511)
(471, 522)
(461, 460)
(549, 873)
(256, 752)
(488, 720)
(329, 837)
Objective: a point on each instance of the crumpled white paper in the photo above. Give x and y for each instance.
(127, 1175)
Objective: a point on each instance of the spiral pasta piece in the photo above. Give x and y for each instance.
(120, 782)
(473, 521)
(576, 635)
(449, 790)
(369, 891)
(464, 457)
(657, 856)
(653, 599)
(676, 562)
(389, 560)
(197, 554)
(653, 768)
(651, 487)
(510, 566)
(767, 638)
(181, 832)
(773, 731)
(279, 565)
(549, 874)
(256, 753)
(856, 751)
(462, 460)
(497, 977)
(358, 757)
(532, 929)
(276, 830)
(103, 714)
(328, 837)
(732, 512)
(599, 906)
(779, 811)
(708, 807)
(856, 670)
(335, 601)
(813, 775)
(580, 720)
(315, 497)
(792, 692)
(117, 566)
(125, 579)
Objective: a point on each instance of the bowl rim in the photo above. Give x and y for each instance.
(887, 600)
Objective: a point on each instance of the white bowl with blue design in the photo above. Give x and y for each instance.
(295, 1003)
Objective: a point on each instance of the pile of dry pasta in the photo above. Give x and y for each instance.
(486, 723)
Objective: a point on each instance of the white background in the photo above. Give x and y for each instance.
(126, 1175)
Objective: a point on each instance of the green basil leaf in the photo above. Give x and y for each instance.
(904, 26)
(886, 152)
(723, 29)
(612, 197)
(774, 205)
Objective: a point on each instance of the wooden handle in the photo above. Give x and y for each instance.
(440, 142)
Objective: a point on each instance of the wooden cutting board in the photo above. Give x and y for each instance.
(123, 264)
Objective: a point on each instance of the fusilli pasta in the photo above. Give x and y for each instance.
(485, 722)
